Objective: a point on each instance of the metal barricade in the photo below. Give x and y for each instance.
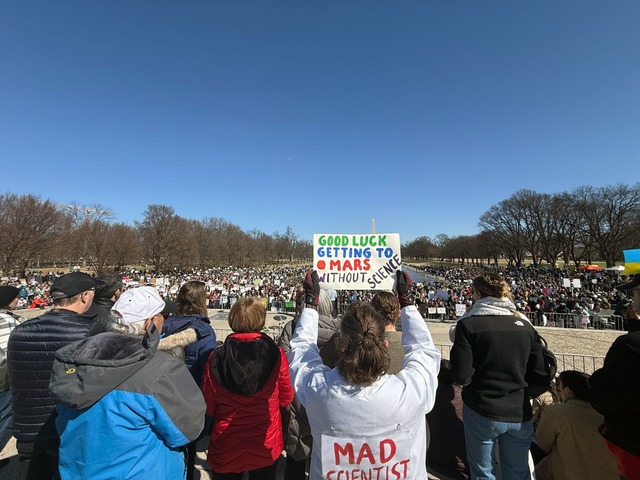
(566, 361)
(583, 363)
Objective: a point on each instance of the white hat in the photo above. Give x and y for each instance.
(138, 304)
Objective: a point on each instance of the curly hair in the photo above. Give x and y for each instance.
(362, 354)
(492, 285)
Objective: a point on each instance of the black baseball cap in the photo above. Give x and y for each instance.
(71, 284)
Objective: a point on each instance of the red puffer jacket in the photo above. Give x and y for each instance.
(245, 384)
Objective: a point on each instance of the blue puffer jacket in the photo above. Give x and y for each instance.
(125, 409)
(31, 350)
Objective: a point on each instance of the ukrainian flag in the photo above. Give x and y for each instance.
(631, 261)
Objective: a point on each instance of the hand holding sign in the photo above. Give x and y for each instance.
(403, 283)
(311, 288)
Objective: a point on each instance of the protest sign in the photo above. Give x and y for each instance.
(461, 308)
(357, 262)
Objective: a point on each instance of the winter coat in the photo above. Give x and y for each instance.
(206, 337)
(490, 357)
(615, 394)
(124, 409)
(100, 310)
(245, 385)
(31, 351)
(299, 440)
(364, 429)
(568, 432)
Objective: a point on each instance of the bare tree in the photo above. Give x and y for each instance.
(165, 238)
(505, 222)
(286, 243)
(421, 248)
(125, 247)
(262, 248)
(610, 215)
(29, 229)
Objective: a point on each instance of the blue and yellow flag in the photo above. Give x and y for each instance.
(631, 261)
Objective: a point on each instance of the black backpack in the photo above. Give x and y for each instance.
(541, 368)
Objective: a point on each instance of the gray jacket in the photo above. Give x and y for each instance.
(298, 441)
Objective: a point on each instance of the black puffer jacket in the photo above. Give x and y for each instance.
(31, 352)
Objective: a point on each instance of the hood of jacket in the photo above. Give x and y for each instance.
(175, 324)
(86, 370)
(491, 306)
(245, 362)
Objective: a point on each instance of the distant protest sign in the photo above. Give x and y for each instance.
(571, 283)
(357, 262)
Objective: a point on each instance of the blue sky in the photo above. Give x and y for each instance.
(317, 115)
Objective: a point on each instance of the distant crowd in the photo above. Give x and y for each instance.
(541, 293)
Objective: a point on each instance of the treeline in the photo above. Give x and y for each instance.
(36, 232)
(580, 226)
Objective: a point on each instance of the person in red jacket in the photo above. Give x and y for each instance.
(245, 384)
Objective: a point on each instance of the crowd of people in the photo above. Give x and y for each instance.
(549, 297)
(120, 381)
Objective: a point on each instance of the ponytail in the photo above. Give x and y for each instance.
(362, 354)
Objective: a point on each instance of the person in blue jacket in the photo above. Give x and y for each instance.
(125, 409)
(190, 329)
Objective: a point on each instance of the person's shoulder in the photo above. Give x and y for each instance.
(165, 362)
(555, 409)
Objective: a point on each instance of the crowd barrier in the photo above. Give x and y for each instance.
(566, 361)
(603, 320)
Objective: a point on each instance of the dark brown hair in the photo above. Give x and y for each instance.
(362, 354)
(577, 381)
(247, 315)
(387, 304)
(492, 285)
(192, 299)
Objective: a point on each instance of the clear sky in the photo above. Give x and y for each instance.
(318, 115)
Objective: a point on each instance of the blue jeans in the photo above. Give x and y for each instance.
(484, 435)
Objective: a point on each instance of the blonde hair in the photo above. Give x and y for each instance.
(247, 315)
(492, 285)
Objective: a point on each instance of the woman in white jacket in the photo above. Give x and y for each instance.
(364, 422)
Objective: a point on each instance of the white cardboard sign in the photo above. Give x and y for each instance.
(357, 262)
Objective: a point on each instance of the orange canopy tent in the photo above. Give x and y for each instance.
(590, 268)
